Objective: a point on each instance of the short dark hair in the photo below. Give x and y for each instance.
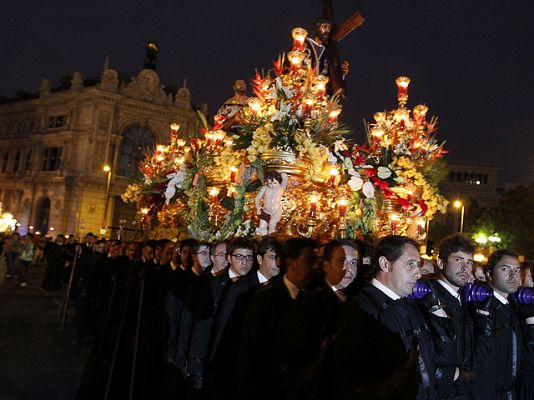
(269, 243)
(149, 243)
(240, 244)
(199, 244)
(525, 266)
(100, 241)
(390, 247)
(293, 247)
(328, 248)
(320, 21)
(452, 244)
(214, 245)
(187, 243)
(161, 243)
(497, 256)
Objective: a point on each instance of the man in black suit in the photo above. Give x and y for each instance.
(497, 341)
(222, 349)
(276, 341)
(209, 296)
(453, 360)
(382, 349)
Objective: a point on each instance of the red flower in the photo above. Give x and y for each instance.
(370, 171)
(379, 183)
(423, 206)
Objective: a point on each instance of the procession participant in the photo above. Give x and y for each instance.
(208, 301)
(222, 353)
(192, 282)
(454, 364)
(497, 341)
(25, 259)
(382, 349)
(55, 253)
(276, 339)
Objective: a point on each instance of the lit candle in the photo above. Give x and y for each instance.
(420, 226)
(332, 117)
(213, 194)
(320, 85)
(410, 194)
(394, 222)
(308, 103)
(208, 137)
(180, 143)
(174, 127)
(160, 148)
(144, 211)
(254, 104)
(333, 175)
(296, 58)
(233, 174)
(313, 206)
(299, 35)
(342, 207)
(231, 191)
(402, 90)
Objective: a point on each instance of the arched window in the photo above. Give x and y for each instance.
(136, 142)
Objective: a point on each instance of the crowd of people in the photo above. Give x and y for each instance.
(297, 319)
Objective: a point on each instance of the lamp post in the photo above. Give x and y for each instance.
(107, 169)
(459, 204)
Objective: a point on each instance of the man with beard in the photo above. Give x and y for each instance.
(497, 342)
(317, 49)
(231, 109)
(454, 361)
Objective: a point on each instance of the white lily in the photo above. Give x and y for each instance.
(368, 190)
(355, 183)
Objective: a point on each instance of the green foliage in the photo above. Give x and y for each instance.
(512, 218)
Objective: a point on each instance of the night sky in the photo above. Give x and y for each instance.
(470, 61)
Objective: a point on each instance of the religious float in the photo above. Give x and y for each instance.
(286, 166)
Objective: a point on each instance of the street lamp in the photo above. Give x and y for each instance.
(107, 169)
(459, 204)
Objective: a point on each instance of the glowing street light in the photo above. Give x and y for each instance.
(107, 169)
(459, 204)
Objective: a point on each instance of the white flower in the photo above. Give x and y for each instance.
(331, 157)
(176, 182)
(356, 183)
(384, 172)
(339, 145)
(368, 190)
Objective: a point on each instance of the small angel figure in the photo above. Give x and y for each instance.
(271, 193)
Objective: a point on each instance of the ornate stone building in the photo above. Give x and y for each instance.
(53, 149)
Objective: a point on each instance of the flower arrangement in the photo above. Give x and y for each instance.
(206, 185)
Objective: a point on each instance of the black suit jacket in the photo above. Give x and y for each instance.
(374, 354)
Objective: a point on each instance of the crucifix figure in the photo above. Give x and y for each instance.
(323, 46)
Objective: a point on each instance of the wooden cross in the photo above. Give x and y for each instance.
(338, 33)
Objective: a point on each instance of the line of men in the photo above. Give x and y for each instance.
(288, 320)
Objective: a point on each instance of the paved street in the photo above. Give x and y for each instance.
(37, 361)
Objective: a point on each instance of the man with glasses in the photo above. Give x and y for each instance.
(210, 294)
(222, 352)
(192, 282)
